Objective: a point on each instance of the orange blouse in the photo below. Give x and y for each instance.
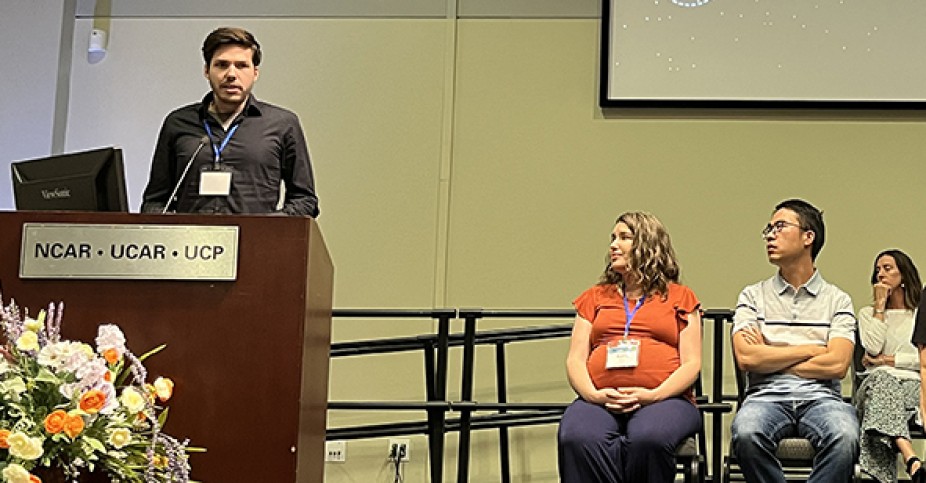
(656, 325)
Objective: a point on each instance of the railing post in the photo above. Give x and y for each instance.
(719, 318)
(469, 317)
(501, 388)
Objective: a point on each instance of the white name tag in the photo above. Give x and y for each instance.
(623, 353)
(215, 183)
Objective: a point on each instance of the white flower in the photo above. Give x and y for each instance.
(120, 437)
(28, 341)
(24, 447)
(92, 372)
(109, 336)
(79, 355)
(133, 400)
(56, 355)
(14, 473)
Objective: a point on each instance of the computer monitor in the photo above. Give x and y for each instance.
(84, 181)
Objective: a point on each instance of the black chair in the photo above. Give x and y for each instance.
(690, 461)
(796, 454)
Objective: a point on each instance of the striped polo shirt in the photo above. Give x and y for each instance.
(813, 313)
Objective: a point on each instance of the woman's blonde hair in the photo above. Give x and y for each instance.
(651, 259)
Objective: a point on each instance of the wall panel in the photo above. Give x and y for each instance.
(27, 107)
(270, 8)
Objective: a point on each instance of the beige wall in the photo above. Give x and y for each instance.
(465, 163)
(27, 106)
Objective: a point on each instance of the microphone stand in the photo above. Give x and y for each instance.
(202, 142)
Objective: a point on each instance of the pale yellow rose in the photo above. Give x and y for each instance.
(164, 388)
(14, 473)
(28, 341)
(24, 447)
(86, 349)
(32, 325)
(120, 437)
(132, 400)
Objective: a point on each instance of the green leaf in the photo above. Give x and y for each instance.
(45, 375)
(96, 444)
(152, 352)
(162, 418)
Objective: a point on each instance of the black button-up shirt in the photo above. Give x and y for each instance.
(267, 148)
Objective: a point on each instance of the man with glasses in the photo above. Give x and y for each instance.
(794, 335)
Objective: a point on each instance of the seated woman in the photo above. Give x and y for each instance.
(889, 396)
(634, 353)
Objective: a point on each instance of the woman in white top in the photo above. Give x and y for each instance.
(888, 398)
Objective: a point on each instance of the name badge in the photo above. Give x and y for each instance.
(215, 183)
(623, 353)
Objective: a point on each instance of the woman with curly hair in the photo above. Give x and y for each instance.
(889, 395)
(634, 353)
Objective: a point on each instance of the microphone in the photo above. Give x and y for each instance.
(202, 142)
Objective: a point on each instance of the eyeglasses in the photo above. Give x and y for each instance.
(775, 228)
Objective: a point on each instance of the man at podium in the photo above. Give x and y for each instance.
(231, 153)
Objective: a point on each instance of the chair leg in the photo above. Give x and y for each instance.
(694, 471)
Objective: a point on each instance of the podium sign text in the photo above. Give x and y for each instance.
(137, 252)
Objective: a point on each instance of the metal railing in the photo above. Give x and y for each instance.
(504, 414)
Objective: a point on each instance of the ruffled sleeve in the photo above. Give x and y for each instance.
(685, 301)
(586, 304)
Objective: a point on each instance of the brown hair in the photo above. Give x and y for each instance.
(223, 36)
(651, 259)
(909, 276)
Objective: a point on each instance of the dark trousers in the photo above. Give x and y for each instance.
(598, 446)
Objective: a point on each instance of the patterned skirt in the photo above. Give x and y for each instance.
(886, 405)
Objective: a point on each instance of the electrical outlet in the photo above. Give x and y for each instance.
(399, 447)
(336, 451)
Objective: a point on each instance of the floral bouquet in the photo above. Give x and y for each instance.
(67, 408)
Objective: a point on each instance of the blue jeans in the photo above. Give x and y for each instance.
(829, 423)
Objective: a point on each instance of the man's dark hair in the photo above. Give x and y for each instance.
(223, 36)
(810, 218)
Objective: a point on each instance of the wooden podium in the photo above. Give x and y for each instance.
(249, 357)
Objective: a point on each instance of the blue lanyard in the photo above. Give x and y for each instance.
(631, 313)
(218, 149)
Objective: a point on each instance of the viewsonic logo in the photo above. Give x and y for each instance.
(56, 193)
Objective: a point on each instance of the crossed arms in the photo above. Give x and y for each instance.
(810, 361)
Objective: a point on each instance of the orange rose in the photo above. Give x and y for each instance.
(54, 422)
(92, 401)
(73, 426)
(108, 377)
(34, 479)
(112, 356)
(4, 433)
